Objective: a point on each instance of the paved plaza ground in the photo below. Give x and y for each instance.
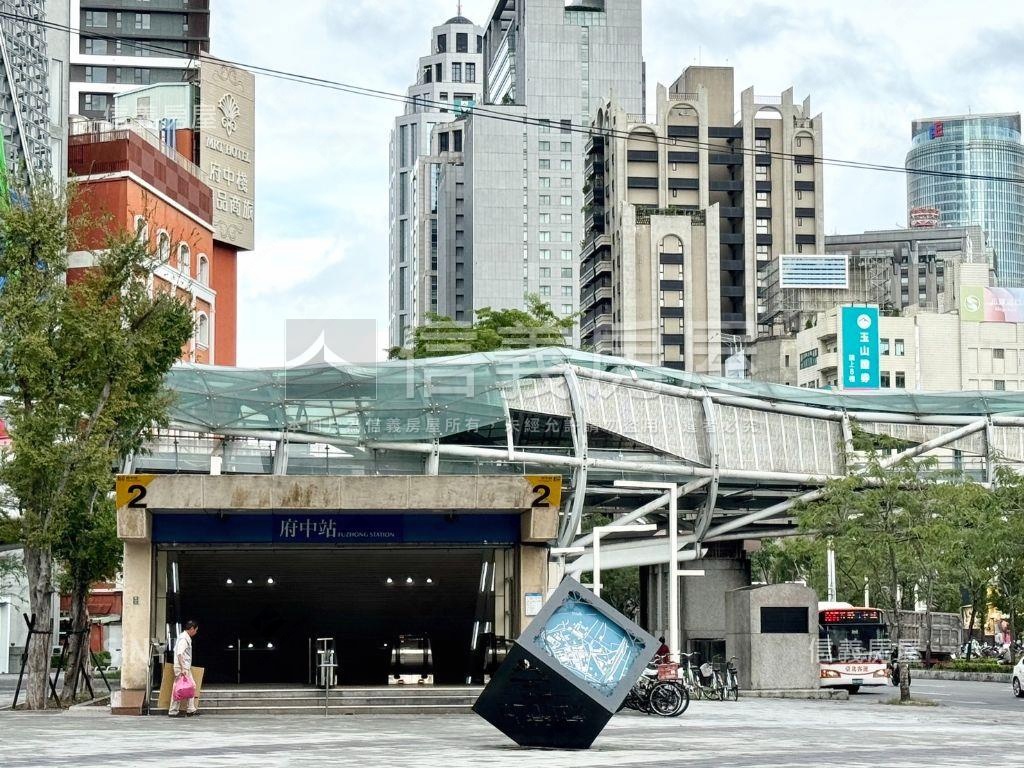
(860, 732)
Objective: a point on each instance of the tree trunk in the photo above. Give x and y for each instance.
(78, 643)
(904, 667)
(39, 572)
(970, 628)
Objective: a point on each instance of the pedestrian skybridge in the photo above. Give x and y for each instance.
(739, 453)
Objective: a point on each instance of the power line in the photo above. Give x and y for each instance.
(526, 120)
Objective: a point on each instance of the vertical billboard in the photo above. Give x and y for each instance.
(227, 125)
(860, 348)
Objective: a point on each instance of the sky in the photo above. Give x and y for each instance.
(322, 155)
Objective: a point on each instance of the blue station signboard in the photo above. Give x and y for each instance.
(860, 362)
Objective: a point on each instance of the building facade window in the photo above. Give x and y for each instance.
(545, 254)
(204, 269)
(442, 43)
(567, 146)
(95, 18)
(544, 181)
(163, 247)
(544, 236)
(998, 354)
(545, 290)
(544, 164)
(544, 146)
(898, 348)
(456, 72)
(545, 218)
(143, 21)
(565, 200)
(567, 237)
(203, 330)
(883, 345)
(567, 309)
(567, 273)
(566, 255)
(567, 290)
(884, 380)
(470, 72)
(901, 380)
(461, 42)
(184, 259)
(764, 226)
(999, 385)
(545, 272)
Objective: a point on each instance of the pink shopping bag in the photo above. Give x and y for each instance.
(184, 688)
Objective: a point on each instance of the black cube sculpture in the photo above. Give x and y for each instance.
(568, 673)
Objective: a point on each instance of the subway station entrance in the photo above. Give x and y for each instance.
(407, 609)
(422, 579)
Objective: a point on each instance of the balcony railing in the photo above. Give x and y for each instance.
(644, 213)
(118, 129)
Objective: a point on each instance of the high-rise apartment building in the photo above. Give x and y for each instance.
(975, 146)
(118, 45)
(511, 200)
(550, 64)
(685, 217)
(449, 81)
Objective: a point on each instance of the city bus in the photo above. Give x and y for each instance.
(853, 646)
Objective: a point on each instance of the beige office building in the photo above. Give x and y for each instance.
(920, 350)
(684, 217)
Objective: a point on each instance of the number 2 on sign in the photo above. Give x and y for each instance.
(543, 493)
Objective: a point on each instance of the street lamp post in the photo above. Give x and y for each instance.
(601, 530)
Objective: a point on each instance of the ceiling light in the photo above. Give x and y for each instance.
(270, 645)
(408, 580)
(250, 645)
(248, 581)
(430, 581)
(389, 580)
(270, 580)
(229, 582)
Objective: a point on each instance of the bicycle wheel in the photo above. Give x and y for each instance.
(686, 698)
(719, 687)
(666, 700)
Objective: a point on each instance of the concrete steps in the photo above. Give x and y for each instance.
(391, 700)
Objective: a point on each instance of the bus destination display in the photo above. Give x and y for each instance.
(852, 616)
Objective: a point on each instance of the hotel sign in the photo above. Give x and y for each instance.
(227, 125)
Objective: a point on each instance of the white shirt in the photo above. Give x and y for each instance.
(183, 652)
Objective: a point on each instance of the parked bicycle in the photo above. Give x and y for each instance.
(653, 695)
(731, 680)
(691, 677)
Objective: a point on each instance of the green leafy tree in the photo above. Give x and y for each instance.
(880, 520)
(801, 558)
(82, 367)
(967, 525)
(1009, 580)
(536, 326)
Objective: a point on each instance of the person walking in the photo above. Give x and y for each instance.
(183, 668)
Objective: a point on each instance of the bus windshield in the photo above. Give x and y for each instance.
(852, 642)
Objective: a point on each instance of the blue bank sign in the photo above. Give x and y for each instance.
(860, 349)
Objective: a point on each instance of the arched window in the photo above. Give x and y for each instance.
(203, 330)
(204, 269)
(163, 247)
(184, 259)
(141, 229)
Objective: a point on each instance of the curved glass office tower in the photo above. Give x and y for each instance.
(981, 145)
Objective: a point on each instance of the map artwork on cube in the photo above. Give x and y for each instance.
(568, 672)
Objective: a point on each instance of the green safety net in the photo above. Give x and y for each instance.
(437, 397)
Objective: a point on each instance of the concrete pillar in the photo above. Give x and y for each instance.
(134, 528)
(135, 617)
(702, 598)
(532, 577)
